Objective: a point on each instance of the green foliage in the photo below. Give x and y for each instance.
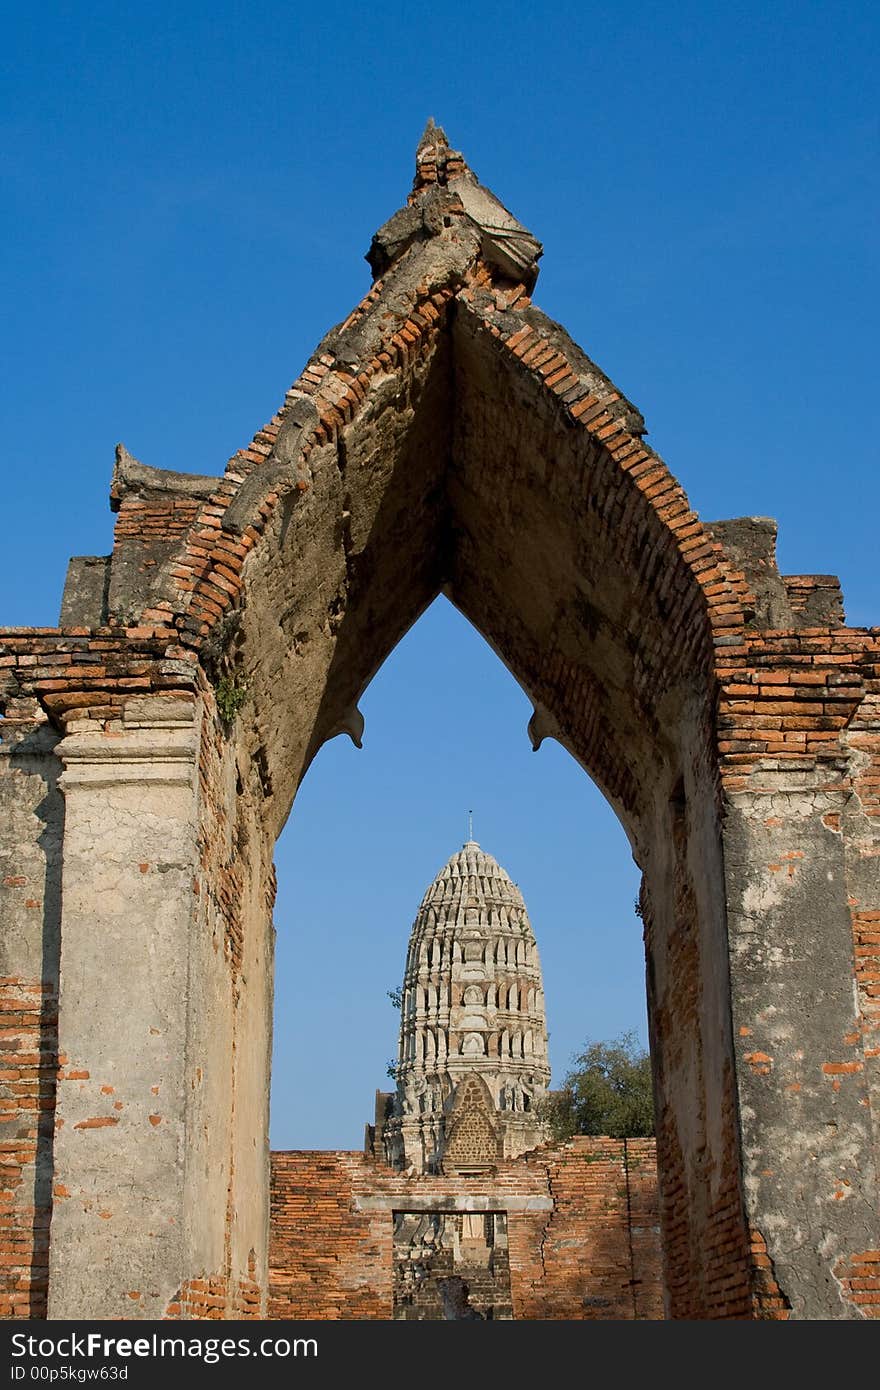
(607, 1091)
(231, 694)
(396, 997)
(391, 1070)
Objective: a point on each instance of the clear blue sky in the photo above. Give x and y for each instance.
(188, 191)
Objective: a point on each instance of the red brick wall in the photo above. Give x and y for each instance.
(595, 1254)
(213, 1297)
(28, 1037)
(860, 1278)
(598, 1254)
(325, 1259)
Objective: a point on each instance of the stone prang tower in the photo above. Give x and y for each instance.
(472, 1059)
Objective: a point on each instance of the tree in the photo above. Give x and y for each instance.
(607, 1091)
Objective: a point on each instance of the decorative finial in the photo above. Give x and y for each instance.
(470, 826)
(433, 136)
(436, 163)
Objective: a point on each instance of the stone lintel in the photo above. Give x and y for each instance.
(472, 1202)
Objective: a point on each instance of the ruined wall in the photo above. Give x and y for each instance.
(582, 1229)
(446, 436)
(137, 850)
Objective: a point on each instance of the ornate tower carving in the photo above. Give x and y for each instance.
(472, 1059)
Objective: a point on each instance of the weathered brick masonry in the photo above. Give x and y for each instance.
(28, 1020)
(588, 1248)
(446, 436)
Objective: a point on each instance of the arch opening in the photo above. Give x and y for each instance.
(444, 725)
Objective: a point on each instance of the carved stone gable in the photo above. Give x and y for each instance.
(473, 1144)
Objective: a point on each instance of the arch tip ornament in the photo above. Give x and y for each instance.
(541, 725)
(352, 723)
(449, 202)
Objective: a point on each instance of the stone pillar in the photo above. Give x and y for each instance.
(129, 861)
(808, 1168)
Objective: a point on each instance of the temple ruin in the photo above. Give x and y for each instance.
(446, 436)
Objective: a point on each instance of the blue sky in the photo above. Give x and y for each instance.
(188, 192)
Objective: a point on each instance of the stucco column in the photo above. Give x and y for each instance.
(129, 860)
(808, 1167)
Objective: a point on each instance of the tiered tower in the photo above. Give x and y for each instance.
(472, 1059)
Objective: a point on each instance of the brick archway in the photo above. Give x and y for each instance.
(446, 435)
